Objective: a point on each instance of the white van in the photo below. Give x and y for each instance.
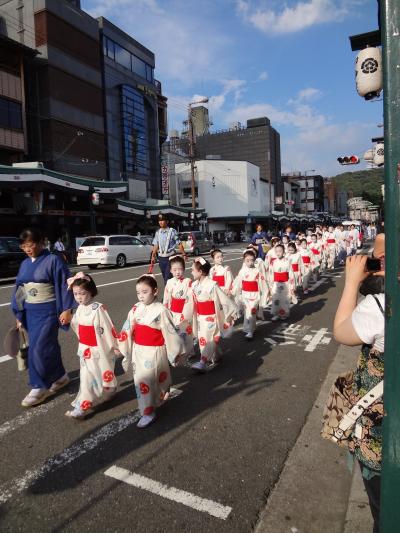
(118, 250)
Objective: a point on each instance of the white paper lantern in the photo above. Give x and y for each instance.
(379, 154)
(369, 73)
(369, 155)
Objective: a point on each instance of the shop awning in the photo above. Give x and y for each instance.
(12, 176)
(138, 208)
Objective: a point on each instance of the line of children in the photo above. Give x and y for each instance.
(158, 335)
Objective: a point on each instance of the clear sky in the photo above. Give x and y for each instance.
(290, 61)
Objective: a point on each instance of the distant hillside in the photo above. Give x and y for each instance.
(365, 183)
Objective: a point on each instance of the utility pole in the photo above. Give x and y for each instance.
(390, 489)
(192, 140)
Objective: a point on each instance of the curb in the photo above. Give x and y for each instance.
(316, 492)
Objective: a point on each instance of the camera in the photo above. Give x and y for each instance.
(373, 265)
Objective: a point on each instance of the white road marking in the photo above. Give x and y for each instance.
(271, 341)
(5, 358)
(7, 303)
(170, 493)
(317, 284)
(318, 338)
(18, 485)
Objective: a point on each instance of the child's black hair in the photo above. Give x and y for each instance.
(204, 269)
(303, 240)
(149, 280)
(216, 251)
(177, 259)
(250, 251)
(280, 246)
(292, 245)
(86, 284)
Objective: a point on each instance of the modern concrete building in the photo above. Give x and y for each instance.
(258, 143)
(311, 192)
(135, 112)
(65, 104)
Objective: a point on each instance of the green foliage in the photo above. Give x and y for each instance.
(364, 183)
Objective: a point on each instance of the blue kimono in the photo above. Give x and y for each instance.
(41, 320)
(258, 239)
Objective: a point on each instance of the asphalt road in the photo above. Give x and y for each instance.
(221, 441)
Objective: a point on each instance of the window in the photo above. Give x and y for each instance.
(135, 242)
(10, 114)
(94, 241)
(134, 131)
(122, 56)
(139, 66)
(149, 73)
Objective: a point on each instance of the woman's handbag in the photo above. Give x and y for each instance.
(337, 405)
(16, 345)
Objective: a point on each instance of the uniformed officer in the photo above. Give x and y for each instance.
(164, 243)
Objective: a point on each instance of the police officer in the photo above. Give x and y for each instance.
(164, 243)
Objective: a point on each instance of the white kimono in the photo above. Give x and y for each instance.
(97, 342)
(269, 260)
(281, 272)
(307, 262)
(296, 266)
(222, 275)
(149, 340)
(316, 250)
(251, 292)
(331, 249)
(214, 312)
(178, 299)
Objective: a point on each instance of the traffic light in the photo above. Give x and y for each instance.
(348, 160)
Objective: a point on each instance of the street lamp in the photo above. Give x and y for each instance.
(191, 146)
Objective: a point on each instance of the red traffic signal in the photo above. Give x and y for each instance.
(348, 160)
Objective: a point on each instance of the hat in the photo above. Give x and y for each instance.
(163, 216)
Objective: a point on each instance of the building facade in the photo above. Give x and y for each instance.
(258, 143)
(135, 111)
(311, 192)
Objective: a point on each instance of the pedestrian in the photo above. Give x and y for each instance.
(214, 314)
(315, 248)
(149, 342)
(59, 246)
(331, 248)
(280, 288)
(96, 350)
(251, 292)
(363, 324)
(258, 240)
(178, 299)
(42, 304)
(165, 241)
(295, 262)
(307, 262)
(221, 273)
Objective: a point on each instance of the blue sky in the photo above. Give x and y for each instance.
(290, 61)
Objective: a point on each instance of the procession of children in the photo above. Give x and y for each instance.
(186, 324)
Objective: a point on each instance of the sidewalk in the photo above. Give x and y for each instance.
(316, 493)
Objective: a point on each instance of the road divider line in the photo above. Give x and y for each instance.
(61, 460)
(170, 493)
(5, 358)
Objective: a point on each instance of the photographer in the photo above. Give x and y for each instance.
(364, 324)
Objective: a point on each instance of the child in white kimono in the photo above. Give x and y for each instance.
(251, 291)
(178, 299)
(149, 341)
(97, 343)
(307, 261)
(331, 247)
(315, 249)
(285, 242)
(321, 242)
(220, 273)
(214, 314)
(271, 257)
(294, 259)
(281, 272)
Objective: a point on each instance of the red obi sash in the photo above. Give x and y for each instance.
(295, 267)
(177, 305)
(315, 251)
(331, 241)
(220, 280)
(306, 259)
(147, 336)
(205, 308)
(87, 335)
(281, 276)
(250, 286)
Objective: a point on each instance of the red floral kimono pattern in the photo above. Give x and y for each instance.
(222, 275)
(178, 299)
(149, 342)
(97, 342)
(251, 292)
(281, 273)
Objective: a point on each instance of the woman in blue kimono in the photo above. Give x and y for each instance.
(258, 239)
(42, 303)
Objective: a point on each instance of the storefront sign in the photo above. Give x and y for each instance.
(164, 181)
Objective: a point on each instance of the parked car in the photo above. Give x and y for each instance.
(117, 250)
(195, 242)
(11, 256)
(147, 239)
